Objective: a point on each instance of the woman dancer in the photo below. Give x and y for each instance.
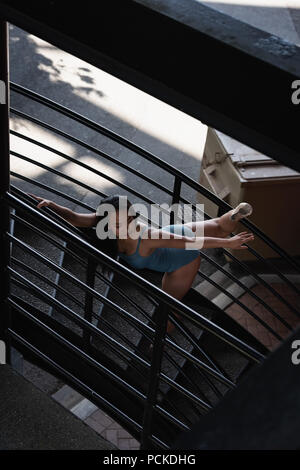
(177, 256)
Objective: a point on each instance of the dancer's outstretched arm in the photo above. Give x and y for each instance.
(162, 238)
(75, 218)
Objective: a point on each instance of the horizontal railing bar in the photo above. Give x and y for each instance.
(83, 185)
(129, 274)
(149, 156)
(62, 272)
(45, 279)
(196, 361)
(108, 325)
(193, 340)
(82, 262)
(47, 210)
(253, 251)
(265, 284)
(90, 148)
(73, 316)
(32, 288)
(87, 390)
(242, 305)
(107, 339)
(170, 417)
(135, 322)
(282, 276)
(56, 172)
(50, 212)
(80, 353)
(163, 412)
(252, 294)
(51, 190)
(113, 376)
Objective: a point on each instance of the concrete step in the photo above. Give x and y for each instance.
(218, 298)
(223, 301)
(74, 402)
(208, 290)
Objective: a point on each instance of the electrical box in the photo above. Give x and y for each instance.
(237, 173)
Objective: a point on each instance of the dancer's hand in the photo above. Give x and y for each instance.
(42, 202)
(237, 241)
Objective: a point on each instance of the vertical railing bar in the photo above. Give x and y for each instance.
(4, 186)
(161, 320)
(89, 299)
(175, 195)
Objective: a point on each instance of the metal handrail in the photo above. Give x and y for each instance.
(165, 301)
(127, 316)
(250, 292)
(83, 323)
(114, 345)
(87, 146)
(85, 389)
(138, 280)
(47, 296)
(176, 196)
(132, 320)
(83, 355)
(149, 156)
(206, 257)
(254, 252)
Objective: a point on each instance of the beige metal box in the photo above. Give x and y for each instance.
(238, 173)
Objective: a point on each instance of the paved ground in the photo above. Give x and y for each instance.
(31, 420)
(170, 134)
(279, 17)
(112, 431)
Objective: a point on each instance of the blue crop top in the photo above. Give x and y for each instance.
(163, 259)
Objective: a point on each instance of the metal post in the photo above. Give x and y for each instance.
(161, 315)
(4, 181)
(176, 196)
(89, 299)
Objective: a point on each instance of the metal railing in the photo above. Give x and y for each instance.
(157, 334)
(175, 193)
(144, 382)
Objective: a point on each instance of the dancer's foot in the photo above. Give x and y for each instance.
(244, 209)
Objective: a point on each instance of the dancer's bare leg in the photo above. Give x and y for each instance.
(177, 283)
(222, 226)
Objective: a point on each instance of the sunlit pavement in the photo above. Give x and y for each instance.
(279, 17)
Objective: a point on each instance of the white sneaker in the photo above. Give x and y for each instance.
(244, 209)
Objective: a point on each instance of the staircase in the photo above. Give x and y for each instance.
(88, 319)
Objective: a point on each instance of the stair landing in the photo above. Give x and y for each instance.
(31, 420)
